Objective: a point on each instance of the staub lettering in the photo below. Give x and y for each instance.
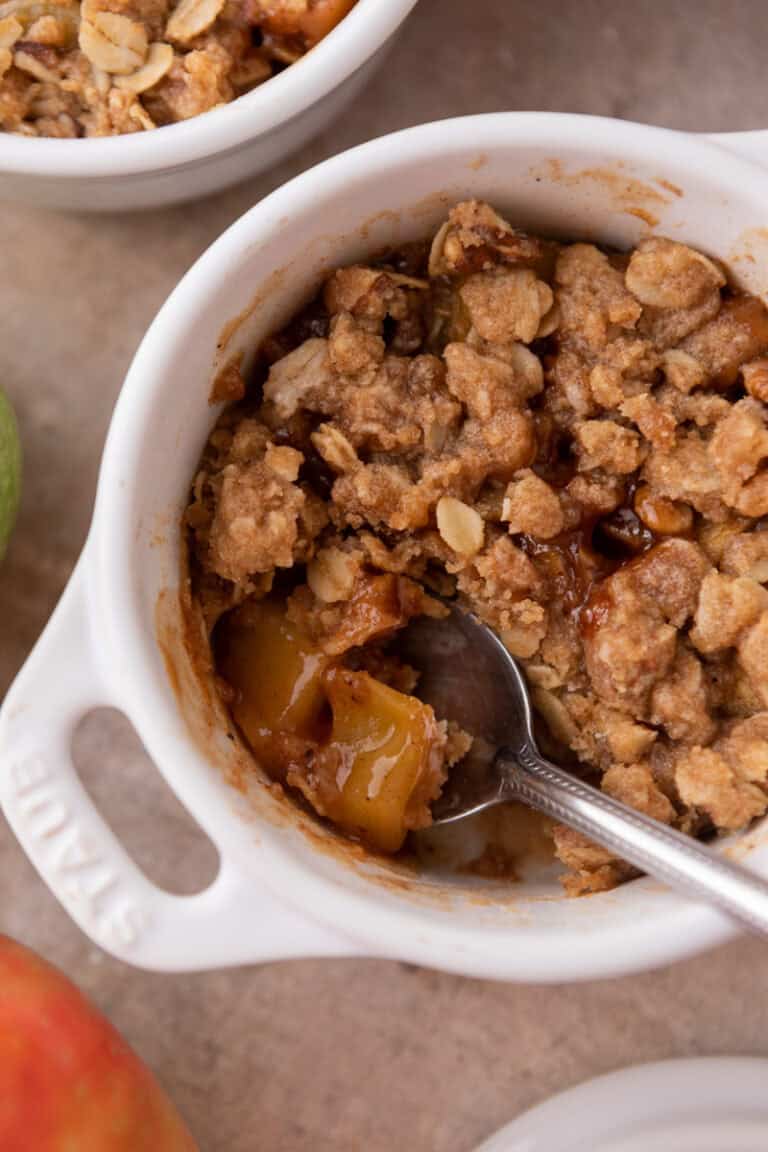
(88, 879)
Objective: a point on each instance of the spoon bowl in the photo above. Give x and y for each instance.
(467, 675)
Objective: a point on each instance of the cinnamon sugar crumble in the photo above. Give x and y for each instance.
(574, 443)
(72, 68)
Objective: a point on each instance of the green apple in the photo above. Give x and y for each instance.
(10, 470)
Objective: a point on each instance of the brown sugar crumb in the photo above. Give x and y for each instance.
(255, 526)
(73, 68)
(533, 507)
(571, 442)
(505, 306)
(593, 301)
(607, 445)
(634, 784)
(737, 333)
(656, 423)
(707, 780)
(592, 868)
(727, 606)
(680, 704)
(746, 554)
(753, 657)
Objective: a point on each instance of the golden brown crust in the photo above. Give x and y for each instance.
(560, 437)
(72, 68)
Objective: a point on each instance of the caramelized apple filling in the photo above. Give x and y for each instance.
(277, 678)
(367, 757)
(574, 444)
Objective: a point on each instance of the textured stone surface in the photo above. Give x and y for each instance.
(339, 1055)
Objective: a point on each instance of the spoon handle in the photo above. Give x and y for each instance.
(670, 856)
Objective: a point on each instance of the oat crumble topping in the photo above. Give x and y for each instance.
(572, 441)
(72, 68)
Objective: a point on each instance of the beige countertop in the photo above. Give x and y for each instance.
(312, 1056)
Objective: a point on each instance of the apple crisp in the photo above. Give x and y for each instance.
(73, 68)
(571, 441)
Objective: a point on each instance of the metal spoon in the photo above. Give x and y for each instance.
(468, 675)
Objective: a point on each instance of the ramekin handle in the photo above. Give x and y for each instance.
(233, 921)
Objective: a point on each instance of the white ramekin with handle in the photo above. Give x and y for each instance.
(285, 886)
(209, 152)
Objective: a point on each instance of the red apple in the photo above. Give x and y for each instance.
(68, 1080)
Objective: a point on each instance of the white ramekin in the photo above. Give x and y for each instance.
(203, 155)
(285, 887)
